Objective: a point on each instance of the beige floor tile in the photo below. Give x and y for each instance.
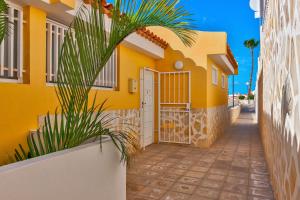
(176, 196)
(161, 183)
(233, 168)
(189, 180)
(152, 193)
(216, 177)
(211, 184)
(236, 188)
(195, 174)
(232, 196)
(183, 188)
(208, 193)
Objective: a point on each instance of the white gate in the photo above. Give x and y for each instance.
(174, 107)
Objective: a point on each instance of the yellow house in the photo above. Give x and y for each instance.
(168, 92)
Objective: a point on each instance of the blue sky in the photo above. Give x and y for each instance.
(237, 19)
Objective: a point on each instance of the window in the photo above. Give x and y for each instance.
(214, 75)
(55, 35)
(11, 48)
(223, 81)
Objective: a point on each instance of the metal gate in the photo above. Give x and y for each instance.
(174, 107)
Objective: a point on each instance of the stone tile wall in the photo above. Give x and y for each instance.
(206, 125)
(209, 124)
(126, 120)
(279, 96)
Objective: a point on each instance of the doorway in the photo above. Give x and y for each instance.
(147, 107)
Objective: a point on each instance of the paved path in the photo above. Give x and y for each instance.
(233, 168)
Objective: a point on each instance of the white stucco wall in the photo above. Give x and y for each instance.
(77, 174)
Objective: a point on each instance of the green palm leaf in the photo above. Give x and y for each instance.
(4, 24)
(88, 45)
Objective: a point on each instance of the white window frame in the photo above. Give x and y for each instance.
(107, 78)
(223, 80)
(14, 65)
(52, 63)
(214, 73)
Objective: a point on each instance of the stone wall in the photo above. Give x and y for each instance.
(279, 96)
(234, 113)
(217, 122)
(199, 126)
(209, 124)
(126, 119)
(206, 125)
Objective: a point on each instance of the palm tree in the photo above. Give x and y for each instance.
(4, 24)
(87, 47)
(251, 44)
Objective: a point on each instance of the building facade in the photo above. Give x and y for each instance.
(143, 87)
(278, 98)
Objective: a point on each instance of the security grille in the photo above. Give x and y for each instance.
(174, 107)
(11, 48)
(55, 37)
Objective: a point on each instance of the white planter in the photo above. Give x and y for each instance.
(82, 173)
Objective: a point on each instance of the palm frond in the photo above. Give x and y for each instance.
(88, 45)
(251, 44)
(71, 129)
(90, 42)
(4, 23)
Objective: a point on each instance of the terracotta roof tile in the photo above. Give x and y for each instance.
(144, 32)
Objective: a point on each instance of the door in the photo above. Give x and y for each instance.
(147, 104)
(174, 107)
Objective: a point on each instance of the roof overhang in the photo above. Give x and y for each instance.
(223, 62)
(226, 61)
(143, 41)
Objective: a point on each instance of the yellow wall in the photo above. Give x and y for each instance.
(216, 95)
(21, 104)
(205, 43)
(68, 3)
(204, 93)
(198, 77)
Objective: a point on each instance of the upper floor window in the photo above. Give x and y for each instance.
(55, 36)
(214, 75)
(11, 48)
(223, 81)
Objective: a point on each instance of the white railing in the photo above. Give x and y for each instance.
(11, 48)
(55, 36)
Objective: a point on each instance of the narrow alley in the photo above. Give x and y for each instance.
(233, 168)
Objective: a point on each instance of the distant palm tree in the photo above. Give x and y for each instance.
(251, 44)
(4, 24)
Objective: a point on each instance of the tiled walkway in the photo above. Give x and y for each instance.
(233, 168)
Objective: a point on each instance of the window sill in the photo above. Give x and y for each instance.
(93, 88)
(7, 80)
